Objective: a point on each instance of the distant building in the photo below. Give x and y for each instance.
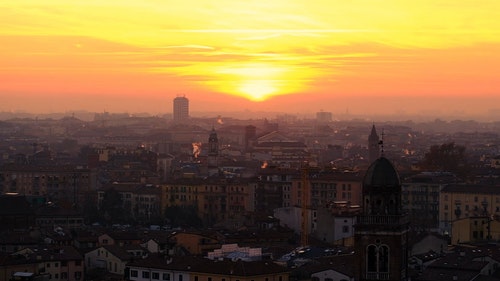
(196, 268)
(464, 201)
(181, 109)
(323, 117)
(421, 198)
(213, 153)
(373, 145)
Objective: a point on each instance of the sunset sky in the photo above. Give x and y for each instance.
(364, 56)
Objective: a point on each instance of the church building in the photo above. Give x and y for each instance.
(381, 232)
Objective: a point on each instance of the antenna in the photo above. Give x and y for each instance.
(381, 144)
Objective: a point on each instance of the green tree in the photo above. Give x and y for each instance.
(183, 216)
(112, 206)
(447, 157)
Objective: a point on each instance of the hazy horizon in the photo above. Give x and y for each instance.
(397, 57)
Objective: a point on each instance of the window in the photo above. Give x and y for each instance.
(133, 273)
(64, 275)
(145, 274)
(155, 276)
(166, 276)
(378, 258)
(196, 278)
(345, 229)
(180, 277)
(78, 275)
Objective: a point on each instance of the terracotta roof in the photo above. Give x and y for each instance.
(118, 252)
(203, 265)
(472, 188)
(13, 205)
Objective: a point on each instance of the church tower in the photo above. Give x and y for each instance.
(213, 153)
(381, 232)
(373, 145)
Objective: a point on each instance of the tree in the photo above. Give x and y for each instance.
(183, 216)
(447, 157)
(112, 206)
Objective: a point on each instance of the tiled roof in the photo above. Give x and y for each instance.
(203, 265)
(118, 252)
(11, 205)
(472, 188)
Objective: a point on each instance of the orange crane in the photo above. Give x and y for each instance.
(304, 235)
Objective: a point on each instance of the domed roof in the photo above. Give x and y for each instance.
(381, 174)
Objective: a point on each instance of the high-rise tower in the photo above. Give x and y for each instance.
(181, 109)
(373, 145)
(381, 232)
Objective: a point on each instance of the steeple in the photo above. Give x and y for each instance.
(381, 232)
(213, 152)
(373, 145)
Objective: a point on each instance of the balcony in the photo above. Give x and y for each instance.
(377, 276)
(383, 219)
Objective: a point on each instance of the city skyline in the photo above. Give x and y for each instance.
(364, 57)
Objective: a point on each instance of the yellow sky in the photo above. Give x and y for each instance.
(281, 54)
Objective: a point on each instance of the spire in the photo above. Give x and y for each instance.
(373, 133)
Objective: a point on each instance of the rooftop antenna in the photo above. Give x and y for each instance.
(381, 144)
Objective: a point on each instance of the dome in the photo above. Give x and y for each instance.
(381, 174)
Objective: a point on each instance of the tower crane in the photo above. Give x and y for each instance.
(304, 234)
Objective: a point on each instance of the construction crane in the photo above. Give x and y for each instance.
(304, 234)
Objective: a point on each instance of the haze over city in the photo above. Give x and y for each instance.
(363, 57)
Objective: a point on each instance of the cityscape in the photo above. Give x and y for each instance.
(228, 140)
(125, 197)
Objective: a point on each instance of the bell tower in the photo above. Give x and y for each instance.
(381, 232)
(213, 153)
(373, 145)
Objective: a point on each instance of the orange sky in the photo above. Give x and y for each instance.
(364, 56)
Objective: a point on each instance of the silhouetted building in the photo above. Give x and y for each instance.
(250, 135)
(323, 117)
(373, 145)
(213, 153)
(181, 109)
(381, 232)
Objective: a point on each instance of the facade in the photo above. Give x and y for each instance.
(62, 183)
(323, 117)
(181, 109)
(421, 198)
(196, 243)
(460, 201)
(55, 263)
(381, 232)
(139, 201)
(202, 269)
(335, 223)
(217, 200)
(112, 258)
